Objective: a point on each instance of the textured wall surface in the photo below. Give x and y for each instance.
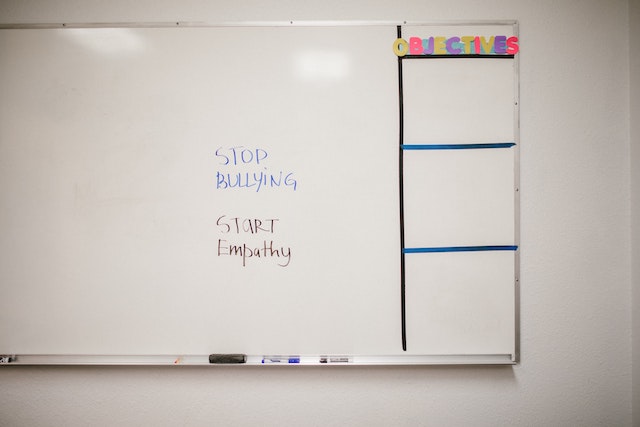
(575, 259)
(634, 159)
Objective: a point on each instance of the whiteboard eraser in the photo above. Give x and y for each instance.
(226, 359)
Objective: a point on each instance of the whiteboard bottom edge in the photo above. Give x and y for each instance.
(253, 360)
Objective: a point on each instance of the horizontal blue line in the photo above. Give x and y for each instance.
(459, 249)
(456, 146)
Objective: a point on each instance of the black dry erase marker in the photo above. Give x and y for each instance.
(227, 359)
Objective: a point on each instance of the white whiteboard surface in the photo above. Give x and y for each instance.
(459, 197)
(119, 232)
(453, 310)
(462, 101)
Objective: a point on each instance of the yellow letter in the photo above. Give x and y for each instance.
(400, 47)
(439, 47)
(487, 46)
(466, 41)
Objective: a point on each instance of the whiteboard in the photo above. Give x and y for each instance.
(235, 189)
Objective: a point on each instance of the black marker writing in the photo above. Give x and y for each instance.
(266, 250)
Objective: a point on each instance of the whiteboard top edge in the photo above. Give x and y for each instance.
(292, 23)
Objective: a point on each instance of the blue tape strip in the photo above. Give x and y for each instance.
(459, 249)
(456, 146)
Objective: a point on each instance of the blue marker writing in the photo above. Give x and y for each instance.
(280, 359)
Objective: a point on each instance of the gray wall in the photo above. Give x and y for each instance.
(576, 269)
(634, 42)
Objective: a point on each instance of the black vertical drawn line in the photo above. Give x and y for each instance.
(403, 317)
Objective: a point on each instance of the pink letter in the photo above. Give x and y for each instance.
(476, 45)
(415, 46)
(512, 45)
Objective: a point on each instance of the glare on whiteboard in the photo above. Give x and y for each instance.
(321, 65)
(108, 41)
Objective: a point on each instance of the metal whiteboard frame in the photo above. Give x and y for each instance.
(204, 24)
(303, 360)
